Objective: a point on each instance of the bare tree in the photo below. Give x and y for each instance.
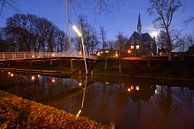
(189, 20)
(7, 3)
(184, 42)
(161, 43)
(28, 32)
(164, 10)
(101, 6)
(89, 36)
(103, 37)
(120, 42)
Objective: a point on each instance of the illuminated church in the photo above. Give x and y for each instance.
(141, 44)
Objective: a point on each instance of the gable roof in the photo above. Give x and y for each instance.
(143, 37)
(146, 37)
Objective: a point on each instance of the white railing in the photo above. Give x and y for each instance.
(35, 55)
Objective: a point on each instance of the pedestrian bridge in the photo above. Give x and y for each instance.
(5, 56)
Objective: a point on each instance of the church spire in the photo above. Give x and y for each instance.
(139, 27)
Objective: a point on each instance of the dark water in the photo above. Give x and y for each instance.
(129, 103)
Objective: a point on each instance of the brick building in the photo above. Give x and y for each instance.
(141, 44)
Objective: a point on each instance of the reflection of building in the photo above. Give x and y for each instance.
(139, 93)
(144, 93)
(141, 43)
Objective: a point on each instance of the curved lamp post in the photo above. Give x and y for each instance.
(78, 32)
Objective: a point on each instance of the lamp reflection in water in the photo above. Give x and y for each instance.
(53, 80)
(12, 75)
(80, 84)
(33, 78)
(9, 73)
(137, 87)
(129, 89)
(83, 98)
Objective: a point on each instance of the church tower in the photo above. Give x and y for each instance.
(139, 27)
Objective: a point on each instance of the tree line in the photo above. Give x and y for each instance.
(29, 33)
(26, 32)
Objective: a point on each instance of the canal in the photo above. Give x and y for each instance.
(129, 103)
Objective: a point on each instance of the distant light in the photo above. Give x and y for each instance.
(98, 54)
(33, 56)
(132, 87)
(107, 83)
(129, 51)
(77, 30)
(132, 47)
(107, 51)
(38, 75)
(79, 112)
(80, 53)
(9, 73)
(33, 78)
(79, 84)
(101, 52)
(53, 55)
(137, 46)
(137, 87)
(129, 89)
(116, 54)
(38, 56)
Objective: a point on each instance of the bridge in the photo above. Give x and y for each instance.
(5, 56)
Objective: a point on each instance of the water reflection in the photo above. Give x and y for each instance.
(83, 98)
(129, 103)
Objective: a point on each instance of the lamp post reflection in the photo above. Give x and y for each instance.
(83, 97)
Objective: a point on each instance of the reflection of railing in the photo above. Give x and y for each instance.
(35, 55)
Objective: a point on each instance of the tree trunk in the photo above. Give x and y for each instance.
(169, 56)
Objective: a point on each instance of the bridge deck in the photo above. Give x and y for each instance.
(4, 56)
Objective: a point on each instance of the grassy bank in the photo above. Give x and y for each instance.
(142, 68)
(154, 68)
(16, 112)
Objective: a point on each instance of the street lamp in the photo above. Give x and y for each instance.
(82, 40)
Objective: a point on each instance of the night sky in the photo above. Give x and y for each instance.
(121, 19)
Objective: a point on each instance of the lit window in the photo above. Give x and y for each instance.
(132, 47)
(137, 46)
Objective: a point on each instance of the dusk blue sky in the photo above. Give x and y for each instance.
(122, 19)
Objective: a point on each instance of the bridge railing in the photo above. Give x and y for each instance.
(34, 55)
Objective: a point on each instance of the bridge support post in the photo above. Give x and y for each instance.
(51, 62)
(71, 63)
(119, 66)
(3, 56)
(24, 55)
(12, 55)
(148, 63)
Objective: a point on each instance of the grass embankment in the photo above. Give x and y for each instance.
(154, 68)
(16, 112)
